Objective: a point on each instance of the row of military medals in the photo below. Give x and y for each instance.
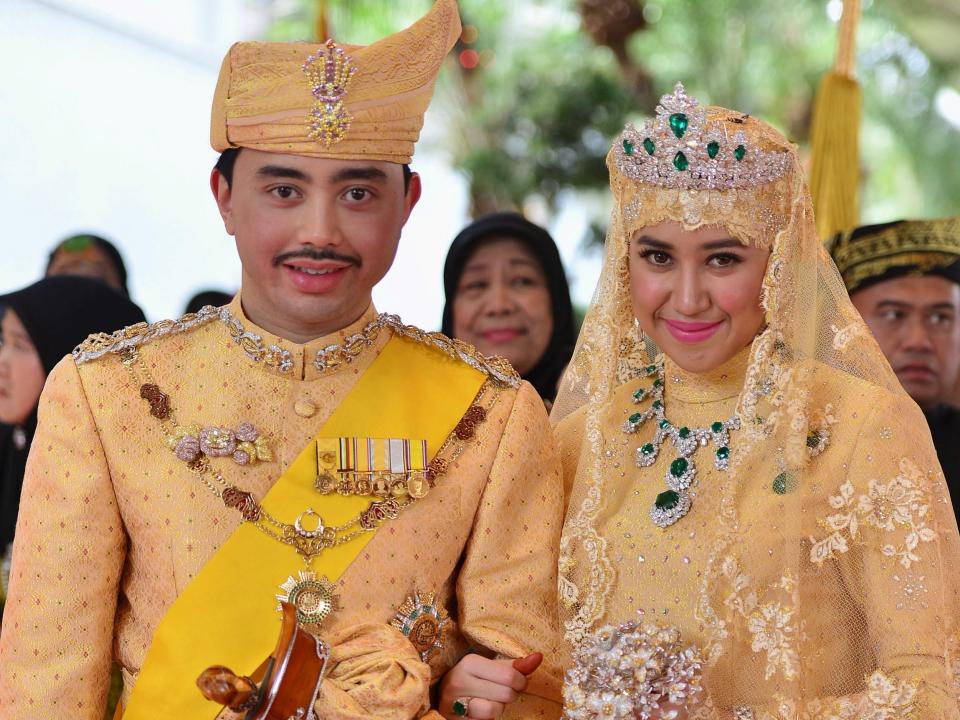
(312, 596)
(675, 502)
(421, 618)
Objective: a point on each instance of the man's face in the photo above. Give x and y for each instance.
(314, 236)
(914, 320)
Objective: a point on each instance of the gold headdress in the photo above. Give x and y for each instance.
(333, 100)
(795, 568)
(874, 253)
(691, 162)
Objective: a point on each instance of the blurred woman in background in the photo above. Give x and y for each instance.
(507, 294)
(38, 326)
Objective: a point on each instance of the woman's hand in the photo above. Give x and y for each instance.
(488, 684)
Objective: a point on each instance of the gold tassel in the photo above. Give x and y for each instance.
(321, 29)
(835, 135)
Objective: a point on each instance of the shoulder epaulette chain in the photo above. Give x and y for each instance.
(275, 357)
(100, 344)
(335, 356)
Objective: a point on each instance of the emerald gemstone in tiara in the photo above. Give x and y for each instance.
(685, 150)
(679, 123)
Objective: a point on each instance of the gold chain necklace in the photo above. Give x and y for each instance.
(308, 542)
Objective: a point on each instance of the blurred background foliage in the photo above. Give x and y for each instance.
(536, 89)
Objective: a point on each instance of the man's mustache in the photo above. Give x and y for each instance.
(312, 253)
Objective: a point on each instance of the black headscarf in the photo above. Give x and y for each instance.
(77, 243)
(546, 373)
(58, 313)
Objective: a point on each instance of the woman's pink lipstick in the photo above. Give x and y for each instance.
(503, 335)
(691, 332)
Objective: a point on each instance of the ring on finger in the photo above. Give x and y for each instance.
(461, 706)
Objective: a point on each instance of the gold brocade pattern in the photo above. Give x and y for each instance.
(262, 101)
(921, 244)
(113, 526)
(818, 574)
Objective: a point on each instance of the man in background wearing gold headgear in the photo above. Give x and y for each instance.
(904, 278)
(396, 487)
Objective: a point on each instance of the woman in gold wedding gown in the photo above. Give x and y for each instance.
(741, 462)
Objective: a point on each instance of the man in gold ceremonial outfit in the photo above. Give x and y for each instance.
(400, 490)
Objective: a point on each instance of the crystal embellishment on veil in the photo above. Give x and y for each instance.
(675, 502)
(680, 148)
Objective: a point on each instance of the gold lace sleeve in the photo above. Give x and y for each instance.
(507, 587)
(55, 651)
(883, 592)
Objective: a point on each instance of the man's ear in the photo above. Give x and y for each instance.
(414, 190)
(224, 198)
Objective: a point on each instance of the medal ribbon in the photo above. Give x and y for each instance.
(227, 614)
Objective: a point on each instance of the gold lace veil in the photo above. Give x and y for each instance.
(814, 353)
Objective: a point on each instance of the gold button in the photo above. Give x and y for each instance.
(304, 408)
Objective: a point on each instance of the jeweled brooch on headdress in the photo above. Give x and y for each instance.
(329, 71)
(680, 149)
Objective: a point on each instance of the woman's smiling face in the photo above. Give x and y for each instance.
(696, 293)
(502, 303)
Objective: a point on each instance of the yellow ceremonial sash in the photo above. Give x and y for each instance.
(227, 614)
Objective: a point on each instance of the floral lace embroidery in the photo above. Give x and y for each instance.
(847, 334)
(901, 503)
(884, 698)
(770, 623)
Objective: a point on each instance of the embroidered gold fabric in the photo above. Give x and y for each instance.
(264, 100)
(113, 526)
(819, 573)
(918, 245)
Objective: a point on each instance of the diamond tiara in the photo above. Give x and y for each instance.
(680, 149)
